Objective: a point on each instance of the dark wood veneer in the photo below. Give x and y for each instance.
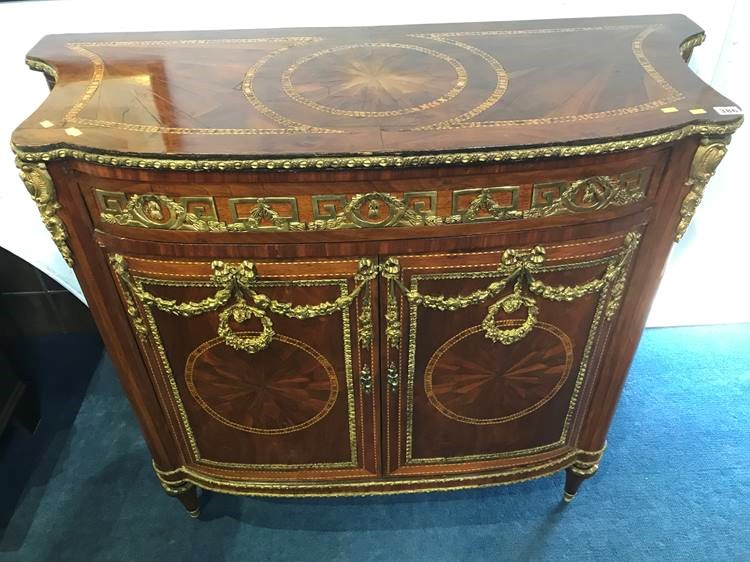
(517, 61)
(428, 401)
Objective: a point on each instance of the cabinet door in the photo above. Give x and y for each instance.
(265, 368)
(489, 353)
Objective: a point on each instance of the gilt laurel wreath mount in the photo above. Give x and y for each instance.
(237, 300)
(518, 269)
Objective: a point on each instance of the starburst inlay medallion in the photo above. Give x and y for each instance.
(374, 79)
(291, 391)
(473, 381)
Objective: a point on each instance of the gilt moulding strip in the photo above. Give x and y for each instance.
(418, 160)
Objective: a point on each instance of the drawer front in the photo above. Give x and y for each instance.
(490, 352)
(259, 364)
(229, 212)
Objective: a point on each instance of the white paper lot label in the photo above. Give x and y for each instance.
(728, 110)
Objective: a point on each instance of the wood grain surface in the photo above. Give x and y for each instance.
(364, 91)
(385, 328)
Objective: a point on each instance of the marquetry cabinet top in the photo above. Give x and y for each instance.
(377, 96)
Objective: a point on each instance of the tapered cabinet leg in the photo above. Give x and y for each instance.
(187, 493)
(574, 476)
(189, 500)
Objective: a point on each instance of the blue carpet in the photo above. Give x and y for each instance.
(674, 485)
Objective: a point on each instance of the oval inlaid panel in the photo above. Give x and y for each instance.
(373, 84)
(374, 79)
(472, 380)
(284, 388)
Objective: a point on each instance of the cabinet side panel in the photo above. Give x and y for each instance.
(622, 340)
(98, 286)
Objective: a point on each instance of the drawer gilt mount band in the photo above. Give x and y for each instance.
(373, 209)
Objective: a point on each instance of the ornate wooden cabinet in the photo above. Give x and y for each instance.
(364, 261)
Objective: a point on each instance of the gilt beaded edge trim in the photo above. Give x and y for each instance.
(47, 69)
(421, 160)
(367, 488)
(691, 42)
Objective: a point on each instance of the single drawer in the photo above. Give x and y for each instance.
(288, 202)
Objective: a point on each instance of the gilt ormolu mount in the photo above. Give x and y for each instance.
(366, 261)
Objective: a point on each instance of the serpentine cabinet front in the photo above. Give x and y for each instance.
(372, 260)
(272, 367)
(376, 358)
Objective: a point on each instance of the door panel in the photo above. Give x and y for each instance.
(260, 363)
(489, 351)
